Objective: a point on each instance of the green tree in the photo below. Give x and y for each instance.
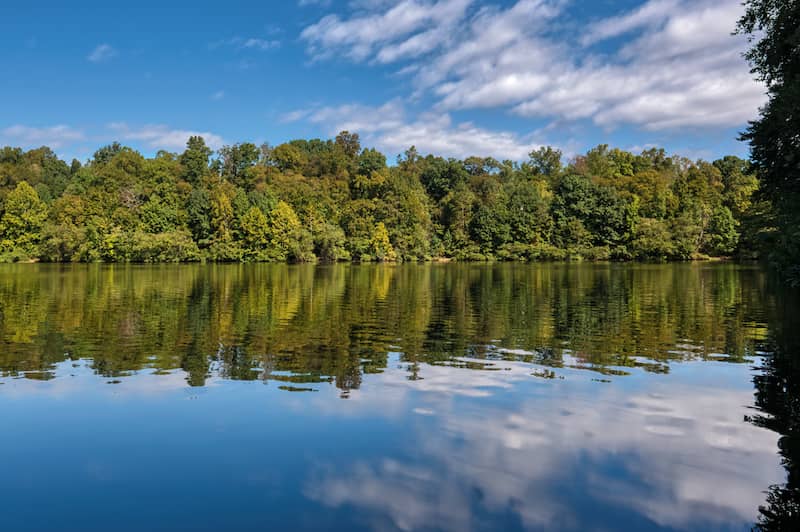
(237, 162)
(722, 232)
(371, 161)
(440, 176)
(773, 138)
(330, 243)
(545, 161)
(198, 211)
(528, 211)
(457, 208)
(652, 240)
(349, 143)
(158, 215)
(195, 160)
(288, 157)
(106, 153)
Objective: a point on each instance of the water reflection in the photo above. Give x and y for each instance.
(312, 325)
(477, 397)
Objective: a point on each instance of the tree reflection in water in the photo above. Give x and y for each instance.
(778, 399)
(313, 324)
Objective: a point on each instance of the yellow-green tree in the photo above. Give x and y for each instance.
(255, 232)
(21, 223)
(288, 239)
(222, 211)
(380, 245)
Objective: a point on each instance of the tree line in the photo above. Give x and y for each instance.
(332, 200)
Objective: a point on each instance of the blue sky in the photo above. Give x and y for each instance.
(453, 77)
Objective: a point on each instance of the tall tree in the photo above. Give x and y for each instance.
(195, 159)
(774, 27)
(237, 160)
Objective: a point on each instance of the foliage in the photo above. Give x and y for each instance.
(333, 200)
(774, 141)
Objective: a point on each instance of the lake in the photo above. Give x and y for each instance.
(450, 397)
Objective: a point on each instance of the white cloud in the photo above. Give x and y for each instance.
(437, 134)
(294, 116)
(246, 43)
(61, 137)
(353, 117)
(680, 67)
(102, 53)
(219, 95)
(52, 136)
(648, 14)
(406, 29)
(389, 129)
(260, 44)
(159, 136)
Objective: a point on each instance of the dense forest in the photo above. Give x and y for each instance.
(332, 200)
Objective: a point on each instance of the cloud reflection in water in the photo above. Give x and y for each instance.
(660, 453)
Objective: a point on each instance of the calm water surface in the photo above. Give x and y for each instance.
(414, 397)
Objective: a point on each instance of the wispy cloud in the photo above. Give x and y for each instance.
(388, 128)
(219, 95)
(102, 53)
(160, 136)
(249, 43)
(64, 137)
(53, 136)
(649, 14)
(260, 44)
(406, 29)
(321, 3)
